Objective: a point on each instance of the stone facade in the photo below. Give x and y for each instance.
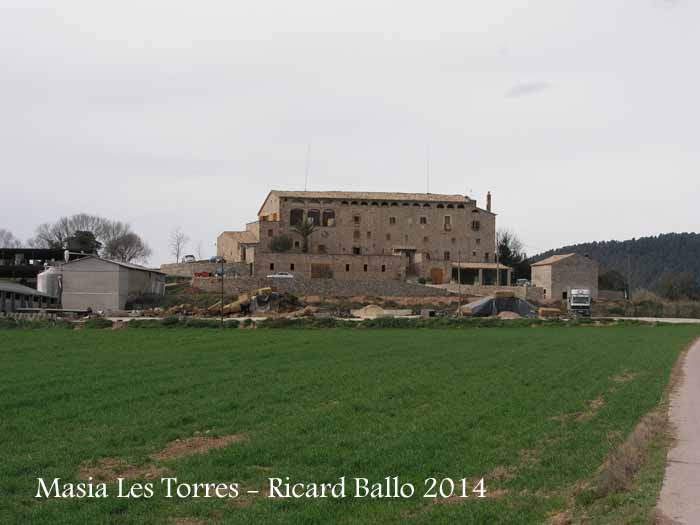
(560, 273)
(406, 234)
(189, 269)
(323, 288)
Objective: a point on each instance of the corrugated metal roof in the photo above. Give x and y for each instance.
(7, 286)
(118, 263)
(553, 259)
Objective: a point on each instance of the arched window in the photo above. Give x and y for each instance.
(440, 205)
(328, 218)
(385, 204)
(394, 203)
(426, 205)
(314, 216)
(296, 217)
(451, 206)
(375, 203)
(460, 206)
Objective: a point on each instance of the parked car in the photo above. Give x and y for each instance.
(522, 282)
(280, 275)
(189, 259)
(217, 259)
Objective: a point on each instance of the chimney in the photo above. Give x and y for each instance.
(488, 201)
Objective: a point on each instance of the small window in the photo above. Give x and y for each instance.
(392, 220)
(486, 256)
(356, 234)
(270, 233)
(321, 248)
(383, 267)
(388, 236)
(347, 267)
(314, 217)
(272, 266)
(365, 267)
(375, 204)
(476, 226)
(440, 205)
(356, 250)
(451, 206)
(563, 296)
(447, 221)
(369, 235)
(356, 219)
(427, 256)
(426, 239)
(478, 241)
(291, 267)
(460, 206)
(424, 220)
(454, 240)
(474, 253)
(296, 244)
(446, 256)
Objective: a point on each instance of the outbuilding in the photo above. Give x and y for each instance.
(15, 297)
(558, 274)
(101, 284)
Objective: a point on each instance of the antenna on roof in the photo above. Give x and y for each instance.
(427, 169)
(308, 160)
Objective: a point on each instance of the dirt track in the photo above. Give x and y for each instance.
(679, 501)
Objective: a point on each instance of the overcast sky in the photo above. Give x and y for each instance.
(581, 116)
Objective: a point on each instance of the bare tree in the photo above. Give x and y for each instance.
(128, 247)
(199, 250)
(177, 242)
(8, 240)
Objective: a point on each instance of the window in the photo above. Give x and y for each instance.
(356, 250)
(356, 219)
(314, 216)
(446, 256)
(454, 240)
(321, 248)
(478, 241)
(291, 267)
(272, 266)
(440, 205)
(296, 244)
(296, 217)
(328, 218)
(384, 269)
(423, 220)
(474, 253)
(347, 267)
(392, 220)
(563, 296)
(369, 235)
(356, 234)
(425, 239)
(447, 222)
(270, 233)
(486, 256)
(388, 236)
(365, 268)
(427, 256)
(476, 226)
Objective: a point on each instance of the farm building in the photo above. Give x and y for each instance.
(14, 297)
(560, 273)
(100, 284)
(369, 235)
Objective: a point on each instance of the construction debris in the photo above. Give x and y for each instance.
(372, 311)
(497, 303)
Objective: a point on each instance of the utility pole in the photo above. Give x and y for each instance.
(222, 291)
(459, 283)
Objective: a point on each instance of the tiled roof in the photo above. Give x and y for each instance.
(245, 237)
(373, 195)
(553, 259)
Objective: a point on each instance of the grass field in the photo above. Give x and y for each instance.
(533, 410)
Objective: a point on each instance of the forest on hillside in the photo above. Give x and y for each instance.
(647, 262)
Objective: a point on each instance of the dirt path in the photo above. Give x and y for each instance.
(680, 495)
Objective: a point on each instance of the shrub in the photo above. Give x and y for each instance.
(170, 321)
(7, 323)
(98, 323)
(421, 280)
(144, 323)
(281, 243)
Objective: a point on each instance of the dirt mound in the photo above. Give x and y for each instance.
(109, 469)
(195, 445)
(509, 315)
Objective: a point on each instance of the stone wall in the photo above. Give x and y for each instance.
(529, 293)
(189, 269)
(342, 267)
(302, 287)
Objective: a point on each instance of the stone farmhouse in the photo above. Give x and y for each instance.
(371, 235)
(560, 273)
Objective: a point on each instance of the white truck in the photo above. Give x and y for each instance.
(579, 301)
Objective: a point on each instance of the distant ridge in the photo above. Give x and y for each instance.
(649, 257)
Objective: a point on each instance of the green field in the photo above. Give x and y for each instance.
(533, 410)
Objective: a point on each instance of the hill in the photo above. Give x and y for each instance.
(646, 259)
